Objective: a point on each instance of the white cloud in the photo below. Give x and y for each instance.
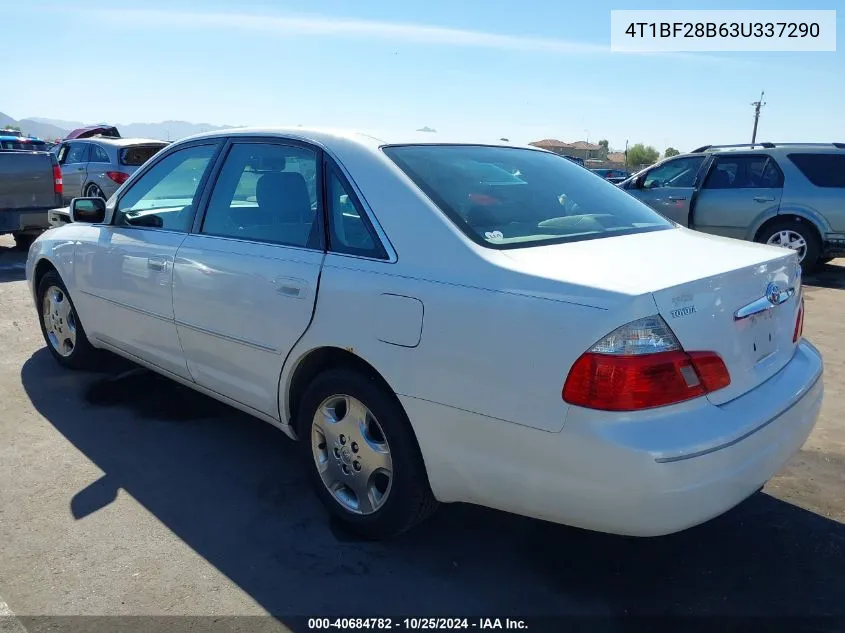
(326, 25)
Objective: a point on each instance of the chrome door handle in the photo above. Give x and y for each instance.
(676, 198)
(156, 263)
(763, 199)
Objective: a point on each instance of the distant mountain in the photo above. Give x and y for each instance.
(59, 128)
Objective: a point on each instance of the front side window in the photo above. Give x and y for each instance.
(534, 197)
(823, 170)
(267, 192)
(680, 172)
(164, 196)
(757, 171)
(77, 153)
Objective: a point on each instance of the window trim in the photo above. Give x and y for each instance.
(714, 162)
(149, 165)
(330, 167)
(228, 143)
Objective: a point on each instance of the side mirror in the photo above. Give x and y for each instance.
(88, 210)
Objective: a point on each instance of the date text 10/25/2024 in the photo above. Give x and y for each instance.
(417, 624)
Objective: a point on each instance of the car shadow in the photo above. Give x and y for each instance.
(232, 488)
(12, 261)
(830, 275)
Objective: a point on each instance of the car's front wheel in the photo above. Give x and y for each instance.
(60, 325)
(362, 455)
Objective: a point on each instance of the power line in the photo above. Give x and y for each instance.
(757, 105)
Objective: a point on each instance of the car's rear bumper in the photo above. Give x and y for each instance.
(834, 245)
(643, 474)
(23, 220)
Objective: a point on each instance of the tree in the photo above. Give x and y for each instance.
(670, 151)
(640, 154)
(605, 148)
(12, 127)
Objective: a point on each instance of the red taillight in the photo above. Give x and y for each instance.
(799, 323)
(118, 176)
(58, 187)
(614, 382)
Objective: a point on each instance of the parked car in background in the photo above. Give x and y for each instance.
(432, 327)
(95, 167)
(611, 175)
(30, 185)
(25, 143)
(784, 194)
(10, 132)
(576, 160)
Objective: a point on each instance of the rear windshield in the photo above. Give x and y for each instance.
(138, 155)
(823, 170)
(504, 197)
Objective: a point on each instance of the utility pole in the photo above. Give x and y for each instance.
(757, 105)
(626, 154)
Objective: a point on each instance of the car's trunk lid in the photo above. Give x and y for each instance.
(746, 315)
(698, 283)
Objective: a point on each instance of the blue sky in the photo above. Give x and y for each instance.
(526, 69)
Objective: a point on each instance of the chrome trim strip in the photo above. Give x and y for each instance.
(713, 449)
(764, 303)
(127, 307)
(233, 339)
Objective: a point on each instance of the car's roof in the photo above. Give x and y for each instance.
(119, 142)
(373, 140)
(772, 147)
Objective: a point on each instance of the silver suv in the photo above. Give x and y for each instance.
(95, 167)
(785, 194)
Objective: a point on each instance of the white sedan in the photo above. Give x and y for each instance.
(446, 322)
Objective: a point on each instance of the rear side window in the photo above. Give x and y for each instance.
(757, 171)
(823, 170)
(506, 197)
(99, 155)
(137, 156)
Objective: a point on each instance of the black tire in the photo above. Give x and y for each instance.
(24, 240)
(92, 190)
(83, 355)
(410, 499)
(806, 231)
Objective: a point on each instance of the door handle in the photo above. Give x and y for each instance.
(157, 263)
(291, 287)
(763, 199)
(677, 198)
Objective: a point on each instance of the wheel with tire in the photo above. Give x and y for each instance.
(362, 456)
(93, 191)
(60, 325)
(795, 235)
(24, 240)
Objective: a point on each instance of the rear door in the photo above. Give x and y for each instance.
(668, 187)
(73, 157)
(245, 282)
(738, 189)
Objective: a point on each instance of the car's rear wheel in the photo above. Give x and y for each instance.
(92, 190)
(362, 455)
(794, 235)
(60, 325)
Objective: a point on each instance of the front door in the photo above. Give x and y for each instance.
(738, 189)
(73, 157)
(668, 188)
(245, 282)
(124, 269)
